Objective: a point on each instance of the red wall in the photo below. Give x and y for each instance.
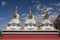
(29, 36)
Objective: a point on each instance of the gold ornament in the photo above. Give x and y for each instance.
(46, 16)
(14, 15)
(30, 16)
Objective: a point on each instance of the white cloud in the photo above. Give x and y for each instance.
(1, 18)
(34, 6)
(38, 2)
(53, 17)
(49, 8)
(58, 9)
(57, 4)
(23, 17)
(50, 12)
(3, 3)
(36, 16)
(38, 6)
(24, 14)
(32, 1)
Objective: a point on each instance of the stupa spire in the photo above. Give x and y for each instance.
(44, 10)
(15, 14)
(16, 10)
(30, 10)
(30, 15)
(45, 14)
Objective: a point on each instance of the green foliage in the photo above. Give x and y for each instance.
(0, 34)
(57, 23)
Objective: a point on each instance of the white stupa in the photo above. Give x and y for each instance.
(46, 24)
(14, 24)
(30, 23)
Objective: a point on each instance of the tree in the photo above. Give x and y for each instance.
(0, 34)
(57, 22)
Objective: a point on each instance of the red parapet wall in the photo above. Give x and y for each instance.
(29, 36)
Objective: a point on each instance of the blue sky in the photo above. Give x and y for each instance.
(7, 8)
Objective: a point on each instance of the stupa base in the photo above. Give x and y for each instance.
(47, 28)
(14, 28)
(30, 28)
